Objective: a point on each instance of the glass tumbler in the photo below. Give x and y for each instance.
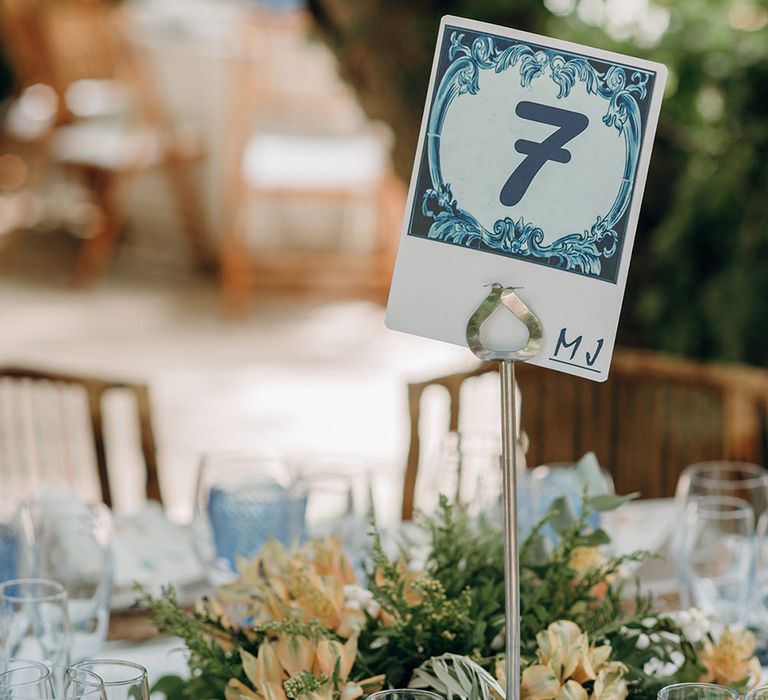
(697, 691)
(34, 621)
(716, 555)
(242, 501)
(123, 680)
(71, 683)
(73, 545)
(23, 676)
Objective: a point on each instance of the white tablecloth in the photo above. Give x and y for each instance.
(161, 657)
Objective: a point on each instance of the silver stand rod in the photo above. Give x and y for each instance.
(500, 296)
(511, 560)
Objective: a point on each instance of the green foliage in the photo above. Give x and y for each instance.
(466, 565)
(211, 660)
(424, 618)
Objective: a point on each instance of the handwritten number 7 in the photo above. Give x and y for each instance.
(570, 125)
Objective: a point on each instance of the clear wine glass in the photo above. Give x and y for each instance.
(697, 691)
(123, 680)
(466, 470)
(73, 545)
(71, 683)
(743, 480)
(34, 621)
(405, 694)
(760, 693)
(242, 501)
(717, 553)
(30, 678)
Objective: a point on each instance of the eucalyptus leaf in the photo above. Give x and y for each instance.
(594, 539)
(589, 474)
(608, 502)
(561, 515)
(539, 547)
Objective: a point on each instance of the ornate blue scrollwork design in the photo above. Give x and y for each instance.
(584, 251)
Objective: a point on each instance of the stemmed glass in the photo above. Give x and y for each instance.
(697, 691)
(29, 678)
(73, 545)
(716, 555)
(743, 480)
(34, 621)
(405, 694)
(725, 478)
(330, 505)
(123, 680)
(467, 470)
(54, 683)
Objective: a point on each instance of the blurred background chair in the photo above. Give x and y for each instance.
(86, 103)
(53, 433)
(297, 144)
(653, 416)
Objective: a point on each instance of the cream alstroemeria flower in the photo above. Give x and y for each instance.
(732, 660)
(305, 584)
(287, 660)
(566, 661)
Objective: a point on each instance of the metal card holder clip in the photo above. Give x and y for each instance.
(497, 297)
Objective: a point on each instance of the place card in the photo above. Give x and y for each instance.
(529, 172)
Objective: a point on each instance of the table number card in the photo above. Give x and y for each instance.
(529, 172)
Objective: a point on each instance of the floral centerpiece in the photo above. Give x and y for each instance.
(301, 625)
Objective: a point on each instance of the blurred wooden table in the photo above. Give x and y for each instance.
(131, 626)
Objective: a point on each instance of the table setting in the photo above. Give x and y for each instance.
(513, 583)
(346, 608)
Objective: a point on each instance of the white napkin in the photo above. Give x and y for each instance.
(153, 551)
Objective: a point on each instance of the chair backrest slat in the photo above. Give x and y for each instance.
(653, 416)
(52, 433)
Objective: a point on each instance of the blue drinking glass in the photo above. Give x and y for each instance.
(15, 539)
(243, 500)
(245, 515)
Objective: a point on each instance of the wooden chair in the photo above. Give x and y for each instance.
(52, 432)
(285, 146)
(654, 415)
(81, 48)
